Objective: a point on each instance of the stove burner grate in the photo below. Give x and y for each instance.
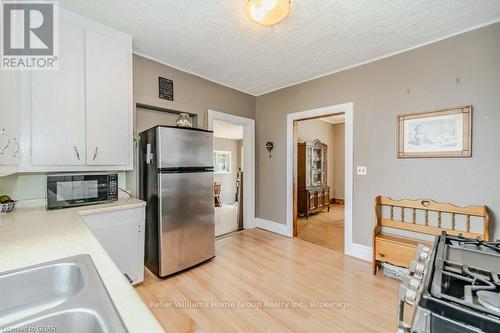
(464, 285)
(489, 299)
(477, 242)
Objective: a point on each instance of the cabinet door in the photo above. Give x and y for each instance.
(312, 200)
(308, 167)
(108, 100)
(320, 198)
(326, 196)
(58, 103)
(324, 168)
(9, 117)
(121, 234)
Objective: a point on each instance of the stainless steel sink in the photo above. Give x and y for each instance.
(74, 321)
(33, 290)
(66, 295)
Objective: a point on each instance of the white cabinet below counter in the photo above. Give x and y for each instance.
(121, 234)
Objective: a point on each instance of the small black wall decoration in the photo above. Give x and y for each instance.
(166, 88)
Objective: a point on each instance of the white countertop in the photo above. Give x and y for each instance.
(30, 236)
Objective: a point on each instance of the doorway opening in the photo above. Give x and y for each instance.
(228, 176)
(351, 249)
(319, 166)
(234, 162)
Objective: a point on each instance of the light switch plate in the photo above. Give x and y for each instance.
(361, 171)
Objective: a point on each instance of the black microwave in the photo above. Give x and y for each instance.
(69, 190)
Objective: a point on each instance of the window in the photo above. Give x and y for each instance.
(222, 161)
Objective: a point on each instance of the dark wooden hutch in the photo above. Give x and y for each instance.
(313, 193)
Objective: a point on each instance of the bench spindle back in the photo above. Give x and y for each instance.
(427, 205)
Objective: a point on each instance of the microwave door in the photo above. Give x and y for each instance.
(67, 191)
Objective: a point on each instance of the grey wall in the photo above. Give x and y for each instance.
(147, 118)
(379, 91)
(192, 94)
(317, 129)
(338, 152)
(228, 180)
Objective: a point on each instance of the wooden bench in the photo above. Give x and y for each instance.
(399, 250)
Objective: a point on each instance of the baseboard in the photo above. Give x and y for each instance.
(360, 251)
(275, 227)
(337, 201)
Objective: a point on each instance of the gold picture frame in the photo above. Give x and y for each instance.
(440, 133)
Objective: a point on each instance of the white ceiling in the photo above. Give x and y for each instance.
(226, 130)
(215, 39)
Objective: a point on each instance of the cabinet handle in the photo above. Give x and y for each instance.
(95, 154)
(2, 133)
(18, 147)
(76, 152)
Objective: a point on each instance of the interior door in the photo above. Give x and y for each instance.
(186, 223)
(58, 103)
(108, 100)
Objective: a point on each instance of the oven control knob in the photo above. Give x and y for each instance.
(414, 282)
(422, 253)
(407, 294)
(417, 267)
(411, 296)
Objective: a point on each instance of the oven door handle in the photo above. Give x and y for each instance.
(402, 326)
(403, 298)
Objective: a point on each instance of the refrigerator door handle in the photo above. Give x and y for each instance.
(149, 154)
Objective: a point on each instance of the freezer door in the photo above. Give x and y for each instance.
(186, 223)
(179, 147)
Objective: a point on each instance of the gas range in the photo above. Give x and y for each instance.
(456, 287)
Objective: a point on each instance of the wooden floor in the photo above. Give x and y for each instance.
(324, 228)
(229, 293)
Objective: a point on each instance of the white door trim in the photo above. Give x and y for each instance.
(350, 248)
(248, 161)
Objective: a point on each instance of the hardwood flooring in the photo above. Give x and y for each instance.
(240, 290)
(324, 228)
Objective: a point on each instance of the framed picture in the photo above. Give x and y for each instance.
(166, 88)
(441, 133)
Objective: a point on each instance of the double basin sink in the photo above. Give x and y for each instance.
(65, 295)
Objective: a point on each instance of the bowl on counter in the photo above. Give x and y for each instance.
(7, 206)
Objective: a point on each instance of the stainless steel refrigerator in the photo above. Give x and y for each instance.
(176, 181)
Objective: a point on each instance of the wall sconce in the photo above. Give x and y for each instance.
(269, 147)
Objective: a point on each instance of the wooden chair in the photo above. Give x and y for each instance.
(217, 189)
(399, 250)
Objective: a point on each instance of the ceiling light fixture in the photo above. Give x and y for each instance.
(268, 12)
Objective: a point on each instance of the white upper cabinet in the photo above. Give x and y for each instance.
(108, 94)
(58, 103)
(80, 116)
(9, 117)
